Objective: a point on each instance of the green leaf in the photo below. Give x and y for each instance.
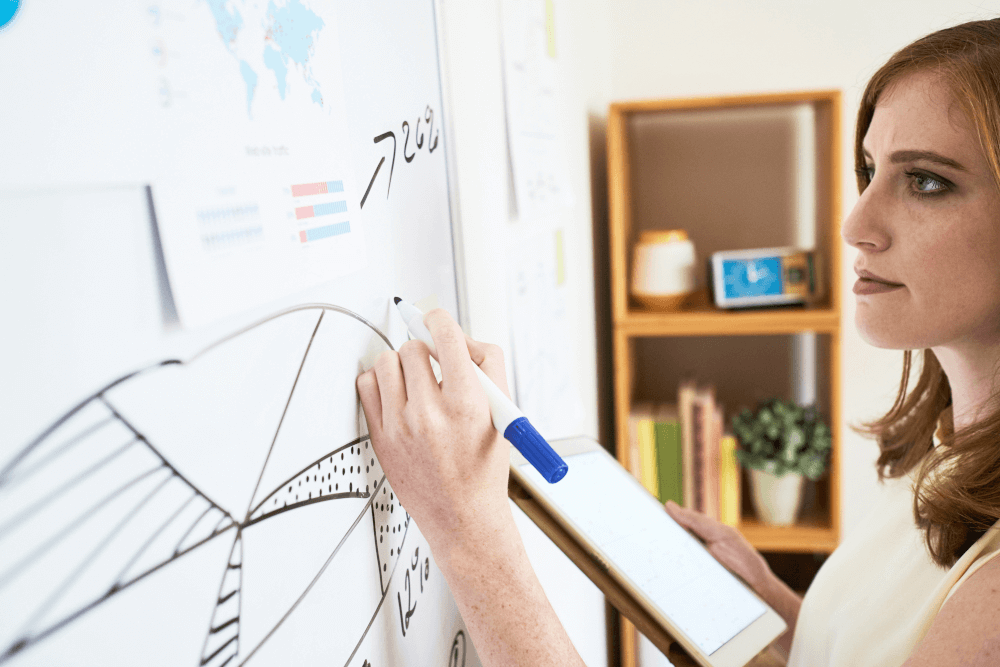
(794, 438)
(813, 467)
(751, 461)
(783, 436)
(788, 455)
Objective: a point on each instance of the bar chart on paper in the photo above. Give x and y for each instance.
(322, 209)
(253, 196)
(252, 240)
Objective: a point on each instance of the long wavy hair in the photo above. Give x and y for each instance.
(957, 484)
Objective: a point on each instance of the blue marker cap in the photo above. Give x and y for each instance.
(533, 447)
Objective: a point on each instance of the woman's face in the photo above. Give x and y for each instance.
(928, 225)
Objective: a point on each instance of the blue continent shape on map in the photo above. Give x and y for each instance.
(275, 63)
(291, 29)
(227, 22)
(250, 78)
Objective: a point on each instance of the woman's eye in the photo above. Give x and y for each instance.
(925, 184)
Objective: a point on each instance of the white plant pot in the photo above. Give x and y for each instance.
(776, 499)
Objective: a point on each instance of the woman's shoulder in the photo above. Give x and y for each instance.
(966, 631)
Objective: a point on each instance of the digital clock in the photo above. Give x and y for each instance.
(763, 277)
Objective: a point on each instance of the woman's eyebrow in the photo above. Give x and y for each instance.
(912, 156)
(929, 156)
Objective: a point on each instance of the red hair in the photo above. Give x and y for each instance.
(958, 483)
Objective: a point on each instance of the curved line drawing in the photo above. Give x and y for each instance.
(198, 517)
(457, 654)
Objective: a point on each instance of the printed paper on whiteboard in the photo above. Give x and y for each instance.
(535, 141)
(254, 200)
(542, 348)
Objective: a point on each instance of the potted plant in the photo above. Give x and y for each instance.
(781, 444)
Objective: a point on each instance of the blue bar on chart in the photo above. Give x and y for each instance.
(317, 233)
(317, 210)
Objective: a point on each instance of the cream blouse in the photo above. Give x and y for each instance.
(874, 598)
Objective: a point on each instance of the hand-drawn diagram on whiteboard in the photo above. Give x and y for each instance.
(156, 494)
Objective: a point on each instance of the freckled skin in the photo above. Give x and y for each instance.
(945, 247)
(448, 464)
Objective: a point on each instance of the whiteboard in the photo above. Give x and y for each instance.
(172, 481)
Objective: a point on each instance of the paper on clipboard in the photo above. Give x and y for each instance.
(652, 570)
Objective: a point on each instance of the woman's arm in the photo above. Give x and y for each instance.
(731, 549)
(449, 466)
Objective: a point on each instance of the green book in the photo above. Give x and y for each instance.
(669, 461)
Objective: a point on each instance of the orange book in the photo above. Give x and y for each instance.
(710, 455)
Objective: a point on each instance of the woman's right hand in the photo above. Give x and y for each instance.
(727, 545)
(732, 550)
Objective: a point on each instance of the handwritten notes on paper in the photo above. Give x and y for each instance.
(542, 351)
(535, 141)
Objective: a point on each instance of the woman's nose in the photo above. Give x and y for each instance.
(865, 227)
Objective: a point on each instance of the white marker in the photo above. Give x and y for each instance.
(507, 418)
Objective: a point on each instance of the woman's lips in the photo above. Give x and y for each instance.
(868, 286)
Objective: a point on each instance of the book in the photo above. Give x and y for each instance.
(712, 459)
(647, 455)
(686, 393)
(729, 482)
(701, 430)
(698, 436)
(703, 451)
(642, 457)
(632, 459)
(669, 460)
(710, 430)
(675, 451)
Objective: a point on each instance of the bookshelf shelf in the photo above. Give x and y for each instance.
(735, 172)
(702, 319)
(800, 538)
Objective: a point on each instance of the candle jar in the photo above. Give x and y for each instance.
(663, 269)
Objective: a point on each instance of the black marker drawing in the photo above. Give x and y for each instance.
(418, 139)
(429, 117)
(392, 166)
(406, 141)
(411, 605)
(153, 516)
(456, 657)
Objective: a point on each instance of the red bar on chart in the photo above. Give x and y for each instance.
(309, 189)
(321, 188)
(302, 236)
(304, 212)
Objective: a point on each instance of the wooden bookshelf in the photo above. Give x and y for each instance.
(703, 319)
(638, 161)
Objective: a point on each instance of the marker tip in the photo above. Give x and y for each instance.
(396, 300)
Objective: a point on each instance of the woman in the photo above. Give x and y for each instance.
(917, 583)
